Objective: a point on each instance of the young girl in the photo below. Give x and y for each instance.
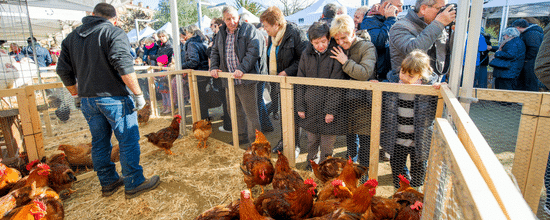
(412, 119)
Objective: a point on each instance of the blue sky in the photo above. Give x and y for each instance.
(151, 3)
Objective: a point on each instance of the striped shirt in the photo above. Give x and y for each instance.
(231, 56)
(405, 120)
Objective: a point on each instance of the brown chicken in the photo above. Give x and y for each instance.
(8, 178)
(202, 130)
(164, 138)
(222, 212)
(35, 210)
(54, 208)
(285, 177)
(260, 146)
(247, 210)
(257, 171)
(115, 153)
(349, 175)
(328, 169)
(288, 204)
(144, 114)
(380, 208)
(341, 192)
(61, 178)
(410, 200)
(39, 175)
(361, 199)
(17, 198)
(78, 155)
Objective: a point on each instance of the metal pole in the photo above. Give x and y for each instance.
(457, 55)
(199, 12)
(503, 20)
(177, 57)
(471, 50)
(137, 30)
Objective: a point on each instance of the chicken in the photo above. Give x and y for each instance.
(384, 208)
(54, 208)
(257, 171)
(17, 198)
(222, 212)
(410, 200)
(202, 130)
(338, 214)
(328, 169)
(285, 177)
(341, 192)
(247, 210)
(78, 155)
(144, 114)
(61, 178)
(115, 153)
(361, 200)
(8, 178)
(412, 212)
(288, 204)
(59, 158)
(164, 138)
(349, 175)
(39, 175)
(261, 145)
(35, 210)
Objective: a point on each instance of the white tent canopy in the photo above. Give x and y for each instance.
(313, 13)
(205, 25)
(146, 32)
(166, 27)
(247, 16)
(79, 5)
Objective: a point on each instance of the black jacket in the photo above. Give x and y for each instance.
(195, 55)
(290, 50)
(249, 47)
(532, 37)
(164, 49)
(96, 54)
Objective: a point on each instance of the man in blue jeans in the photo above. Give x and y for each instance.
(96, 67)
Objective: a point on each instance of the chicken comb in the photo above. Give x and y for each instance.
(31, 164)
(40, 211)
(310, 182)
(44, 166)
(260, 137)
(337, 183)
(349, 160)
(177, 116)
(403, 179)
(372, 183)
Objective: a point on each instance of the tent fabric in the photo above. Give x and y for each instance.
(166, 27)
(146, 32)
(313, 13)
(248, 16)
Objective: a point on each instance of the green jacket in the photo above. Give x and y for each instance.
(361, 60)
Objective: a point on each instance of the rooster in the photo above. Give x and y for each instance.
(247, 210)
(260, 147)
(285, 177)
(221, 212)
(78, 155)
(202, 130)
(164, 138)
(288, 204)
(349, 175)
(8, 178)
(61, 178)
(257, 171)
(35, 210)
(328, 169)
(38, 175)
(410, 200)
(361, 200)
(144, 114)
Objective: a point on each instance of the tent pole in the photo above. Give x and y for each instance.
(504, 20)
(471, 50)
(177, 57)
(457, 55)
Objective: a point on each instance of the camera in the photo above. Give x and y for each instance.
(446, 6)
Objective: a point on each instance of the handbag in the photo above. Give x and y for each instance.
(500, 63)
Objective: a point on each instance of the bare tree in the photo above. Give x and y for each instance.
(292, 6)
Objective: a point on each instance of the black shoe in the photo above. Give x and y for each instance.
(147, 185)
(275, 116)
(383, 157)
(111, 189)
(279, 147)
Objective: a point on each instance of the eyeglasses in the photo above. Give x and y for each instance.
(437, 8)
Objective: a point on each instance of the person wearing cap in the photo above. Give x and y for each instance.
(43, 56)
(532, 35)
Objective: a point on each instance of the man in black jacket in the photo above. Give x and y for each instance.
(96, 67)
(532, 35)
(239, 49)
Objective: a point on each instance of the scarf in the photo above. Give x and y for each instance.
(504, 42)
(272, 53)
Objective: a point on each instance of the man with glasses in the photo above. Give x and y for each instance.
(422, 28)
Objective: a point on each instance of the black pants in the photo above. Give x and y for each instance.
(225, 118)
(202, 97)
(274, 94)
(398, 163)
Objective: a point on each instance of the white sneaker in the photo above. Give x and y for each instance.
(297, 152)
(223, 130)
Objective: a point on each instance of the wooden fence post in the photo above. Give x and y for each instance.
(287, 119)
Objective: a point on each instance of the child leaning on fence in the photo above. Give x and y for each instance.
(411, 118)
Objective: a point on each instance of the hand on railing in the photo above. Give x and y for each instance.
(140, 101)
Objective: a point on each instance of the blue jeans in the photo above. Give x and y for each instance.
(480, 80)
(265, 123)
(106, 115)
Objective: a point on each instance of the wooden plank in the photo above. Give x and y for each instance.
(433, 176)
(194, 97)
(510, 200)
(530, 100)
(167, 73)
(537, 166)
(255, 77)
(10, 92)
(524, 149)
(354, 84)
(170, 92)
(45, 86)
(153, 96)
(465, 171)
(287, 120)
(233, 111)
(47, 122)
(440, 106)
(35, 121)
(376, 118)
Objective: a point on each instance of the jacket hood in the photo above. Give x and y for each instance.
(195, 38)
(534, 27)
(412, 16)
(90, 24)
(375, 21)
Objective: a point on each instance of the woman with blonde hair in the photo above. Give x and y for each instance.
(358, 59)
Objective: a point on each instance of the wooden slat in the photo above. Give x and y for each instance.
(170, 92)
(539, 158)
(10, 92)
(233, 112)
(492, 171)
(194, 98)
(287, 119)
(375, 133)
(171, 72)
(47, 122)
(530, 100)
(432, 176)
(45, 86)
(524, 149)
(153, 96)
(255, 77)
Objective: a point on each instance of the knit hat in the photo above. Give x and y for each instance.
(522, 23)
